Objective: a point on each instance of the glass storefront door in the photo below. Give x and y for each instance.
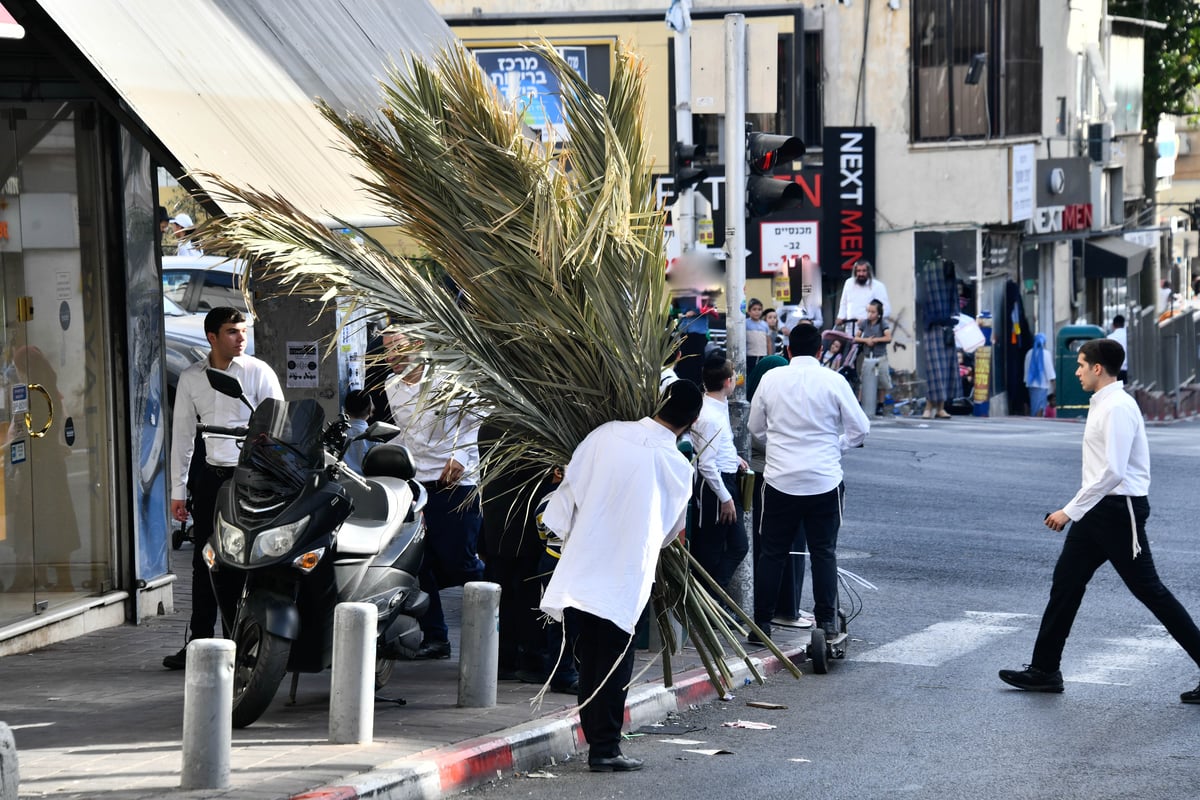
(56, 545)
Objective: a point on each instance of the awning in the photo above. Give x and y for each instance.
(1113, 257)
(9, 29)
(228, 86)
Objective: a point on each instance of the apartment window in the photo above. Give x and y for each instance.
(977, 69)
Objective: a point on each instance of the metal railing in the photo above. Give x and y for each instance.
(1163, 356)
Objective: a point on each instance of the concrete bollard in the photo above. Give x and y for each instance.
(10, 774)
(479, 652)
(352, 685)
(208, 714)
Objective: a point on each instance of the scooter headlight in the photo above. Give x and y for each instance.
(232, 541)
(276, 542)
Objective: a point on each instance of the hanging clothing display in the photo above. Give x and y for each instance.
(937, 295)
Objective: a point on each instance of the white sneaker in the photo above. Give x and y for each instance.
(786, 622)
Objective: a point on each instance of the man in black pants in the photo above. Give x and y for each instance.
(196, 401)
(1108, 516)
(622, 499)
(807, 415)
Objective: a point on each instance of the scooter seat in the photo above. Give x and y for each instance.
(379, 509)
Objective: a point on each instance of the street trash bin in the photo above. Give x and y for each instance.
(1071, 399)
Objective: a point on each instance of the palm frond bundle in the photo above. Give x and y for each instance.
(561, 321)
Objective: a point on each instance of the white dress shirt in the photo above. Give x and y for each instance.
(194, 397)
(808, 416)
(622, 499)
(432, 436)
(712, 436)
(1121, 335)
(1116, 457)
(855, 299)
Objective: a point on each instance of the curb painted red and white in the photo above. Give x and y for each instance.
(456, 768)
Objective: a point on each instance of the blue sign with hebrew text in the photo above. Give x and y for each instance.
(524, 77)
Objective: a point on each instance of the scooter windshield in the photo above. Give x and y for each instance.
(283, 440)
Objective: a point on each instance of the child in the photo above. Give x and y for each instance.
(832, 357)
(359, 409)
(1050, 412)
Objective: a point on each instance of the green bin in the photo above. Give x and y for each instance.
(1071, 399)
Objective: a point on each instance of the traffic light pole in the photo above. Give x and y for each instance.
(685, 197)
(735, 224)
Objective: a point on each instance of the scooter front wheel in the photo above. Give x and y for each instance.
(383, 672)
(258, 668)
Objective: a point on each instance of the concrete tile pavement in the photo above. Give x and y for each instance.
(98, 717)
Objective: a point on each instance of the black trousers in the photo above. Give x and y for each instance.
(719, 546)
(598, 646)
(204, 482)
(787, 602)
(522, 643)
(798, 522)
(1103, 534)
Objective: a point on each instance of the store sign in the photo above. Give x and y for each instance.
(525, 78)
(784, 243)
(1064, 196)
(1024, 171)
(1058, 219)
(849, 177)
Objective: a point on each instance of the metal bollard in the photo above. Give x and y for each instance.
(352, 697)
(10, 773)
(207, 714)
(479, 653)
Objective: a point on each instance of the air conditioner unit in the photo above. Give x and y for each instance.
(1100, 136)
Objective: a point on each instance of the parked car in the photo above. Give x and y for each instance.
(201, 283)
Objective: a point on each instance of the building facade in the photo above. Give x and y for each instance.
(1005, 137)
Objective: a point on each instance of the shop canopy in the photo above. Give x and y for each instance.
(229, 86)
(1112, 257)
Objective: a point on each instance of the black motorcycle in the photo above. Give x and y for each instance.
(297, 532)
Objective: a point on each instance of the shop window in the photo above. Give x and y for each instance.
(958, 49)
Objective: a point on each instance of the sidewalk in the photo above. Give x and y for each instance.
(98, 717)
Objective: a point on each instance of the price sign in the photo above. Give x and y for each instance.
(787, 240)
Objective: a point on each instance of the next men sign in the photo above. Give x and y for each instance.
(848, 232)
(1063, 196)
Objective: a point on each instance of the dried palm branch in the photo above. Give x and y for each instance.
(561, 322)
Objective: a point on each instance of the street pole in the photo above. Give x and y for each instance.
(735, 224)
(685, 202)
(742, 583)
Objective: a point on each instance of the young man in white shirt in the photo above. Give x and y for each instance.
(622, 499)
(719, 540)
(445, 452)
(1120, 334)
(1108, 523)
(808, 416)
(195, 400)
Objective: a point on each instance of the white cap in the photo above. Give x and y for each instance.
(183, 221)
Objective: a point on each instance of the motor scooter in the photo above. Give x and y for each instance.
(297, 531)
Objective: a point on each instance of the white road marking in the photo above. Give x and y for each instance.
(1121, 657)
(944, 641)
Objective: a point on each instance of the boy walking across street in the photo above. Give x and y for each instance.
(1108, 523)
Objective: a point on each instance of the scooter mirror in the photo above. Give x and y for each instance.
(226, 384)
(380, 432)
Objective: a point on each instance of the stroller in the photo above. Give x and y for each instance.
(839, 352)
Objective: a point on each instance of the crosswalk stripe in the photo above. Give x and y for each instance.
(943, 641)
(1120, 657)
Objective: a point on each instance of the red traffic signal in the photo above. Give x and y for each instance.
(766, 151)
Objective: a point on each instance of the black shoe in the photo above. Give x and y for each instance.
(879, 409)
(617, 763)
(1190, 697)
(752, 637)
(176, 660)
(432, 650)
(566, 688)
(1032, 679)
(830, 628)
(532, 676)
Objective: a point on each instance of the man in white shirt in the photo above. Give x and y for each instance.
(1120, 335)
(808, 416)
(718, 540)
(196, 401)
(445, 452)
(858, 292)
(622, 499)
(1108, 523)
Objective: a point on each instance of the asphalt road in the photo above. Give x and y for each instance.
(944, 517)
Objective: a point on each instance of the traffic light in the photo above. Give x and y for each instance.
(686, 175)
(764, 153)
